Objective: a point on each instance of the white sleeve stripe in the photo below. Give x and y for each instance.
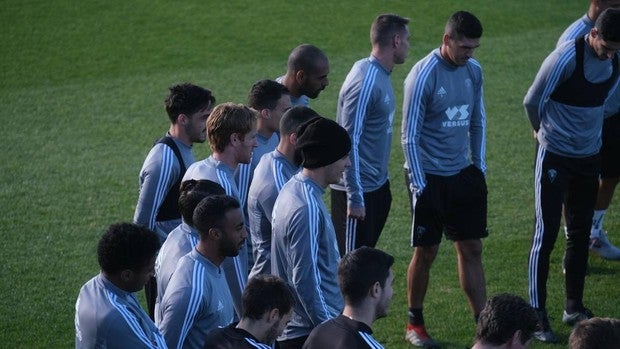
(245, 171)
(130, 319)
(313, 221)
(165, 172)
(239, 271)
(278, 174)
(221, 177)
(554, 77)
(372, 343)
(194, 302)
(256, 344)
(412, 155)
(360, 115)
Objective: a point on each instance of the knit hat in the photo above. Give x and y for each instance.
(321, 142)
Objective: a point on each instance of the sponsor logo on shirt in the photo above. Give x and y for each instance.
(220, 306)
(458, 116)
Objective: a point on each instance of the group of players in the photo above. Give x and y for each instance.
(272, 160)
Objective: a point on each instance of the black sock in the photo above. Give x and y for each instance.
(416, 317)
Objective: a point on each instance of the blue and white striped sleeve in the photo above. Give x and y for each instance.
(180, 308)
(124, 330)
(158, 175)
(353, 103)
(414, 110)
(305, 228)
(477, 128)
(556, 68)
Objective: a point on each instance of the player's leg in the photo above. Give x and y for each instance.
(377, 205)
(579, 205)
(466, 225)
(425, 237)
(550, 178)
(610, 176)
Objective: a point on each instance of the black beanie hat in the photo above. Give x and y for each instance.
(321, 142)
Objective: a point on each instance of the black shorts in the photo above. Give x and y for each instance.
(610, 150)
(456, 204)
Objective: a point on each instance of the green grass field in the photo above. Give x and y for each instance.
(81, 101)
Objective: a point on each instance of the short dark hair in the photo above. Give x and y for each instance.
(187, 99)
(211, 211)
(595, 333)
(359, 270)
(226, 119)
(192, 192)
(463, 24)
(385, 26)
(305, 57)
(265, 94)
(608, 25)
(294, 117)
(264, 293)
(126, 246)
(502, 316)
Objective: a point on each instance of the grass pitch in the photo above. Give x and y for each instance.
(81, 100)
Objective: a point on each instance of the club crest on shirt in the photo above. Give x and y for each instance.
(552, 174)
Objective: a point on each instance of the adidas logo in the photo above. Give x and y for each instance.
(442, 92)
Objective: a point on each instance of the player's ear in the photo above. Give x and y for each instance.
(234, 138)
(292, 138)
(182, 119)
(265, 114)
(446, 39)
(375, 290)
(273, 315)
(300, 76)
(215, 233)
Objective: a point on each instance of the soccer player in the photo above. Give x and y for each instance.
(610, 149)
(565, 105)
(273, 170)
(188, 107)
(506, 321)
(304, 251)
(366, 281)
(270, 100)
(107, 312)
(184, 238)
(267, 307)
(232, 137)
(306, 74)
(361, 201)
(198, 299)
(443, 138)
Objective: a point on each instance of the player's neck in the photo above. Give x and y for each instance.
(386, 59)
(227, 157)
(176, 131)
(360, 314)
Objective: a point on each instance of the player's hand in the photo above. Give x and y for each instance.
(356, 212)
(535, 134)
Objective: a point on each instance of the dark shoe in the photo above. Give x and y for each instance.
(544, 332)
